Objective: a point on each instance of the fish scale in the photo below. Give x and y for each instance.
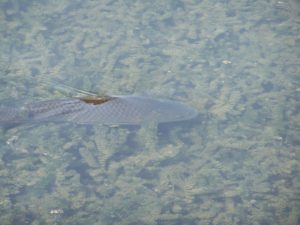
(103, 110)
(51, 109)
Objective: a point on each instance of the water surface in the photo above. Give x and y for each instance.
(236, 62)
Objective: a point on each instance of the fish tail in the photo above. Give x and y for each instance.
(12, 115)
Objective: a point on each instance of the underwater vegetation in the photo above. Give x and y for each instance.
(235, 62)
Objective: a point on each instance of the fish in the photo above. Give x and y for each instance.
(106, 110)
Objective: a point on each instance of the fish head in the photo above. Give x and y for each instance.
(172, 111)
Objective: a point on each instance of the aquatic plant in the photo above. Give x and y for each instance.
(237, 164)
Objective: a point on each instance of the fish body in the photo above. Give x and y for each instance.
(109, 110)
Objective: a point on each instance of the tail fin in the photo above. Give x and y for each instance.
(11, 116)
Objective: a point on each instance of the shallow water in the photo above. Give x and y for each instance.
(235, 62)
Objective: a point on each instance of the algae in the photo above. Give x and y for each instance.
(236, 62)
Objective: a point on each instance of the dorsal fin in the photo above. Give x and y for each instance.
(95, 100)
(65, 89)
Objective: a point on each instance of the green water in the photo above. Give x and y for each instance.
(236, 62)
